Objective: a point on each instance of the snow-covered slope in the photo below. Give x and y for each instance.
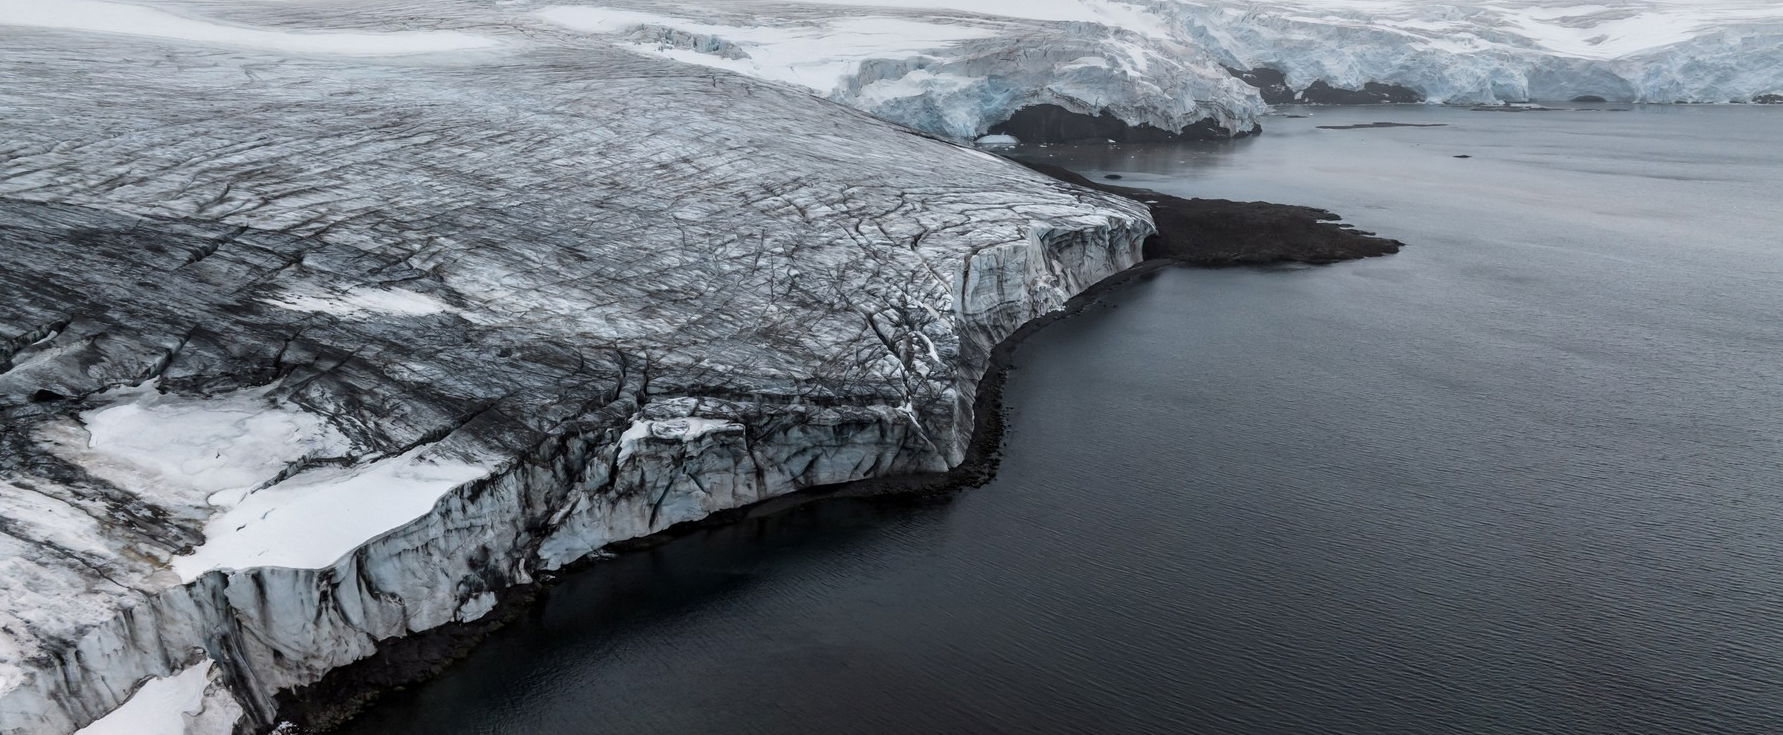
(1502, 50)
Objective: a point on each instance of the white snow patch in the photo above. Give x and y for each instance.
(816, 55)
(315, 518)
(159, 707)
(106, 17)
(1114, 14)
(683, 429)
(362, 302)
(1084, 62)
(606, 20)
(175, 450)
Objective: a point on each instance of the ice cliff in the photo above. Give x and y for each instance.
(943, 71)
(959, 68)
(311, 339)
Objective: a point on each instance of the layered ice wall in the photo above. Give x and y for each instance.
(959, 68)
(946, 71)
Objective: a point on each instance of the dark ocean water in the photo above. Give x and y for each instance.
(1524, 477)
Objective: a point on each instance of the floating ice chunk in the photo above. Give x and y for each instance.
(998, 141)
(105, 17)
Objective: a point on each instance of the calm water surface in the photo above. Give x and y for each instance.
(1525, 477)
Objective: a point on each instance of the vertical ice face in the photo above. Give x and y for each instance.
(945, 71)
(99, 16)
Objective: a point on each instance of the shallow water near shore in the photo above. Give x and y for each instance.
(1524, 477)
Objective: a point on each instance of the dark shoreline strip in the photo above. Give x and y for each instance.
(1214, 233)
(1199, 232)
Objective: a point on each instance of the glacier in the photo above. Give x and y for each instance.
(957, 69)
(310, 344)
(954, 74)
(320, 329)
(1659, 51)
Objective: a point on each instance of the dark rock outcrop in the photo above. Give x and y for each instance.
(1220, 232)
(1769, 99)
(1055, 124)
(1372, 93)
(1272, 84)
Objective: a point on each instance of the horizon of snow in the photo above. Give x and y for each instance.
(814, 55)
(1113, 13)
(98, 16)
(1604, 31)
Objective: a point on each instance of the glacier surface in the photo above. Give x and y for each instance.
(320, 328)
(303, 350)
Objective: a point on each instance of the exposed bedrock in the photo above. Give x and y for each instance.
(1371, 93)
(1220, 232)
(1055, 124)
(1273, 86)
